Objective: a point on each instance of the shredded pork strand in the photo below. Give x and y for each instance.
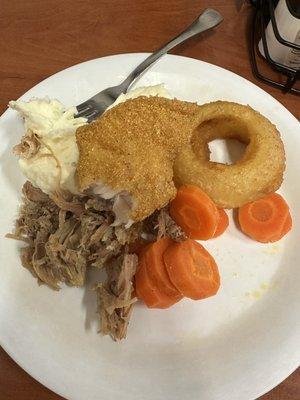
(160, 224)
(115, 296)
(167, 227)
(66, 234)
(29, 146)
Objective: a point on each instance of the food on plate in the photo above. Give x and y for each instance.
(169, 270)
(222, 223)
(285, 229)
(148, 91)
(109, 195)
(48, 152)
(67, 235)
(149, 292)
(139, 170)
(153, 258)
(192, 270)
(258, 173)
(267, 219)
(195, 213)
(116, 296)
(152, 277)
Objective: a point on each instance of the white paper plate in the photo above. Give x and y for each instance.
(236, 345)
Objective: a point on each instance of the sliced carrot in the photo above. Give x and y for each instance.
(156, 268)
(147, 290)
(265, 220)
(222, 224)
(192, 269)
(195, 212)
(287, 226)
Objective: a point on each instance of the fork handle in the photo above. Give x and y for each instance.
(207, 20)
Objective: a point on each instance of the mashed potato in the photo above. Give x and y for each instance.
(54, 165)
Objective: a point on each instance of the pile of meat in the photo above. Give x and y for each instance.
(67, 234)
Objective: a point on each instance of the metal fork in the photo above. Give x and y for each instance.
(96, 105)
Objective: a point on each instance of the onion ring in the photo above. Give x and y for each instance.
(257, 173)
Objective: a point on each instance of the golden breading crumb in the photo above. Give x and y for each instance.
(132, 147)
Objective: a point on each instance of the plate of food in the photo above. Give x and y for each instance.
(152, 253)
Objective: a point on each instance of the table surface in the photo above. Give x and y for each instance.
(40, 38)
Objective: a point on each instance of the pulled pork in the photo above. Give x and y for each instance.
(28, 147)
(167, 227)
(160, 224)
(66, 234)
(115, 299)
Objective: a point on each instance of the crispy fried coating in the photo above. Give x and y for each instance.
(259, 171)
(146, 146)
(132, 148)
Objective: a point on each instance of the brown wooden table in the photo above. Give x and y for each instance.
(39, 38)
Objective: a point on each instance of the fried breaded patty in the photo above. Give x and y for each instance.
(132, 147)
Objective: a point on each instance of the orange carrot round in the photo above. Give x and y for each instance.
(267, 219)
(156, 268)
(192, 269)
(222, 224)
(195, 213)
(287, 226)
(148, 291)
